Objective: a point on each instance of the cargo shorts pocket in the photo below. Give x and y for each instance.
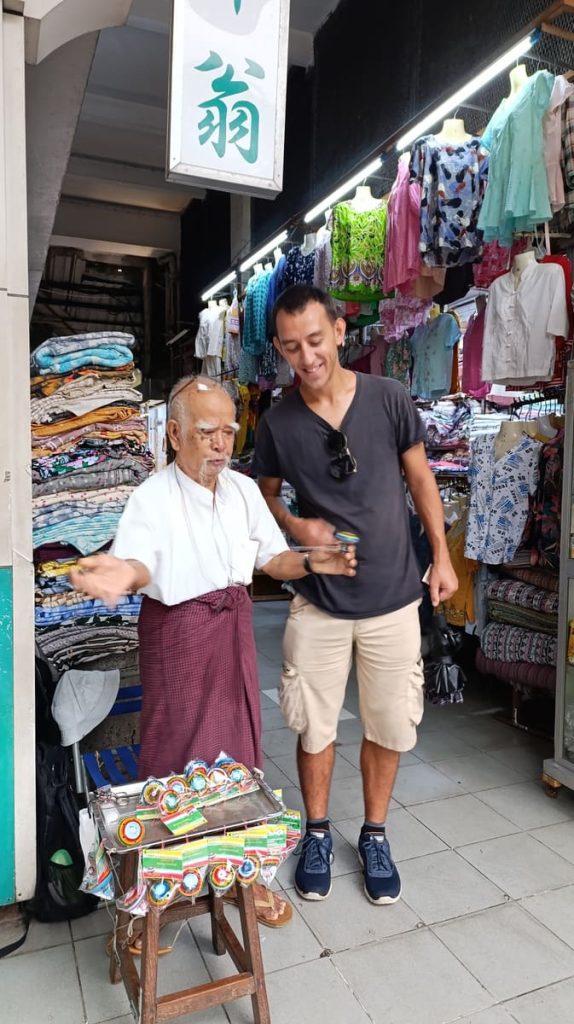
(291, 699)
(416, 693)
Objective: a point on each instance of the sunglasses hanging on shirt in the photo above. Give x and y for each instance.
(342, 462)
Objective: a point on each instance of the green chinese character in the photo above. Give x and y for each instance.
(225, 123)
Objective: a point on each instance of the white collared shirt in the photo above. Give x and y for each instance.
(522, 323)
(192, 541)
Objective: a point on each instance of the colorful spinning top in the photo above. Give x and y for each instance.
(177, 782)
(169, 801)
(346, 539)
(192, 766)
(130, 831)
(248, 871)
(237, 772)
(191, 883)
(198, 780)
(217, 777)
(152, 791)
(160, 892)
(221, 877)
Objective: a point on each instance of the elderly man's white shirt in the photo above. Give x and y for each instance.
(192, 541)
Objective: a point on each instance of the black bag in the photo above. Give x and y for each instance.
(60, 860)
(47, 729)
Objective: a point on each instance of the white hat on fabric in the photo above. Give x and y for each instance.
(82, 700)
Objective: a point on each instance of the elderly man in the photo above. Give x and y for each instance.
(189, 539)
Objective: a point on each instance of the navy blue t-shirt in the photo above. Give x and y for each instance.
(381, 423)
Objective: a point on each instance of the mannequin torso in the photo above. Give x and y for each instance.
(309, 243)
(520, 262)
(510, 434)
(453, 132)
(518, 77)
(364, 200)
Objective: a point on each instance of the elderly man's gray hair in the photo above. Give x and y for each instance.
(175, 406)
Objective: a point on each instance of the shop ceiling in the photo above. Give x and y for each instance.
(118, 154)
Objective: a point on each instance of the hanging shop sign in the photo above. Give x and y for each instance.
(228, 84)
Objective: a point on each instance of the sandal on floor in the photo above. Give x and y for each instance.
(271, 909)
(136, 949)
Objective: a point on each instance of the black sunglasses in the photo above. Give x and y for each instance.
(342, 462)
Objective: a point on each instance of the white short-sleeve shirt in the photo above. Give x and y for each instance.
(193, 541)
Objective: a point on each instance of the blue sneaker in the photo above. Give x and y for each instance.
(382, 881)
(313, 874)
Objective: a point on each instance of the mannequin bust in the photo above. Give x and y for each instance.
(277, 254)
(510, 434)
(223, 304)
(309, 243)
(363, 199)
(211, 304)
(453, 132)
(268, 265)
(520, 263)
(518, 77)
(258, 269)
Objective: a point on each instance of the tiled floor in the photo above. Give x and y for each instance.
(484, 933)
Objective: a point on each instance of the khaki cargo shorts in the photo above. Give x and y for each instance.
(317, 657)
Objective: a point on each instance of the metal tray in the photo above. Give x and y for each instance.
(240, 812)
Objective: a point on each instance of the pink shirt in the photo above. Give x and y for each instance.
(402, 256)
(472, 382)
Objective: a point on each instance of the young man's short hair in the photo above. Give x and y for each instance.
(296, 298)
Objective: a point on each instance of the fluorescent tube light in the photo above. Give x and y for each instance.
(343, 190)
(476, 83)
(267, 248)
(218, 286)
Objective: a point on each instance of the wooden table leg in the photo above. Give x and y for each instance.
(123, 920)
(253, 957)
(217, 915)
(149, 958)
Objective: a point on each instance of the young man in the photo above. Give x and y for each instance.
(188, 539)
(348, 443)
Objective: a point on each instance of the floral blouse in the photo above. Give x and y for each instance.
(453, 181)
(499, 498)
(358, 253)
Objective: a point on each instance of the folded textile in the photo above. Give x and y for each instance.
(542, 578)
(515, 615)
(511, 643)
(127, 609)
(539, 677)
(48, 384)
(523, 594)
(87, 641)
(132, 429)
(112, 355)
(110, 413)
(46, 410)
(102, 476)
(79, 342)
(87, 455)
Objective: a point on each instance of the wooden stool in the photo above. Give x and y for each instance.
(247, 957)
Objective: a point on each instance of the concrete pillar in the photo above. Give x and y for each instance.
(17, 757)
(54, 95)
(240, 227)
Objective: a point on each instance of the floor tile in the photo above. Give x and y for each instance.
(346, 861)
(534, 956)
(462, 820)
(519, 865)
(103, 1000)
(443, 885)
(42, 988)
(438, 746)
(528, 806)
(185, 967)
(478, 771)
(494, 1015)
(523, 759)
(273, 775)
(555, 910)
(418, 783)
(272, 718)
(276, 742)
(350, 731)
(550, 1005)
(99, 923)
(40, 936)
(342, 768)
(281, 947)
(559, 838)
(488, 734)
(411, 978)
(408, 838)
(309, 992)
(347, 919)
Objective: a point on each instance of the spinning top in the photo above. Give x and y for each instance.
(346, 539)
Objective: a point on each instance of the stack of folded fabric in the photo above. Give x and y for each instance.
(519, 643)
(89, 451)
(447, 424)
